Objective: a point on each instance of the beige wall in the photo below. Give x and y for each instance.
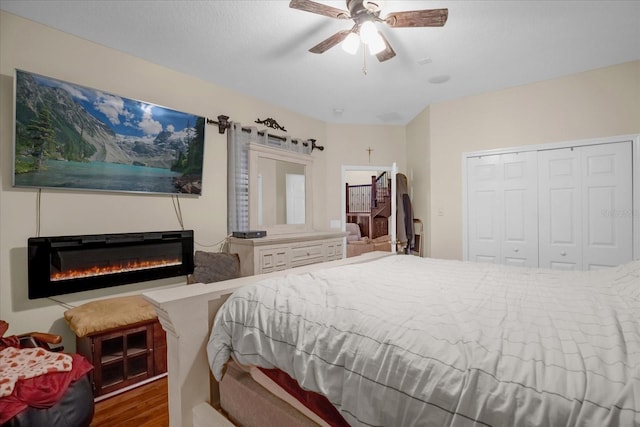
(349, 145)
(598, 103)
(419, 171)
(40, 49)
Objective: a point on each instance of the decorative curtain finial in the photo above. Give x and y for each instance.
(314, 145)
(271, 123)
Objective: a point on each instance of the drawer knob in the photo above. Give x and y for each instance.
(516, 250)
(563, 253)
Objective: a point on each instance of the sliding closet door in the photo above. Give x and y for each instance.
(502, 209)
(585, 202)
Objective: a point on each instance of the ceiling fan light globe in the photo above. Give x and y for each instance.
(376, 44)
(351, 43)
(368, 32)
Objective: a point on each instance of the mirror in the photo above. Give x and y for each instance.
(281, 195)
(279, 190)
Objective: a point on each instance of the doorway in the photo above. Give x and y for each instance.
(354, 170)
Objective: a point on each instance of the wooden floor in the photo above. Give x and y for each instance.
(144, 406)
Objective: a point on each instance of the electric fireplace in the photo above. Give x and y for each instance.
(66, 264)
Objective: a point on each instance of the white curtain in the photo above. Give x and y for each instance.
(237, 178)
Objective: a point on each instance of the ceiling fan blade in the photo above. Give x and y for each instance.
(418, 18)
(327, 44)
(320, 9)
(388, 51)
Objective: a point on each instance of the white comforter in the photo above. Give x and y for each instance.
(406, 341)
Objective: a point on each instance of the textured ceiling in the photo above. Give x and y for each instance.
(260, 48)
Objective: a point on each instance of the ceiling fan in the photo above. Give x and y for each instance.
(365, 14)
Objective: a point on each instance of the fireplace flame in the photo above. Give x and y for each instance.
(112, 269)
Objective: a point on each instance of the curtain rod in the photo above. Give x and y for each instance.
(223, 124)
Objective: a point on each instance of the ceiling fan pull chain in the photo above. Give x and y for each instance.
(364, 60)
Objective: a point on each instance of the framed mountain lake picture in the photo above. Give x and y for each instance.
(69, 136)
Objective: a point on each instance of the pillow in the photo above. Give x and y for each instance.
(353, 229)
(101, 315)
(214, 267)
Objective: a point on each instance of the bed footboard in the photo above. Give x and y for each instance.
(186, 313)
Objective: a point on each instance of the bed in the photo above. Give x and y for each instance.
(413, 341)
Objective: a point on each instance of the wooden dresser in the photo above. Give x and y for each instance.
(283, 251)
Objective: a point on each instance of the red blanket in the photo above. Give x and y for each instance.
(42, 391)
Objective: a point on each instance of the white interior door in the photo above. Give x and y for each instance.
(484, 198)
(502, 209)
(560, 221)
(519, 243)
(295, 185)
(586, 206)
(607, 205)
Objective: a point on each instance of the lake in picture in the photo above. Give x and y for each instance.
(99, 176)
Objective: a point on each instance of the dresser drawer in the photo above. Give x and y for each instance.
(273, 259)
(334, 251)
(306, 253)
